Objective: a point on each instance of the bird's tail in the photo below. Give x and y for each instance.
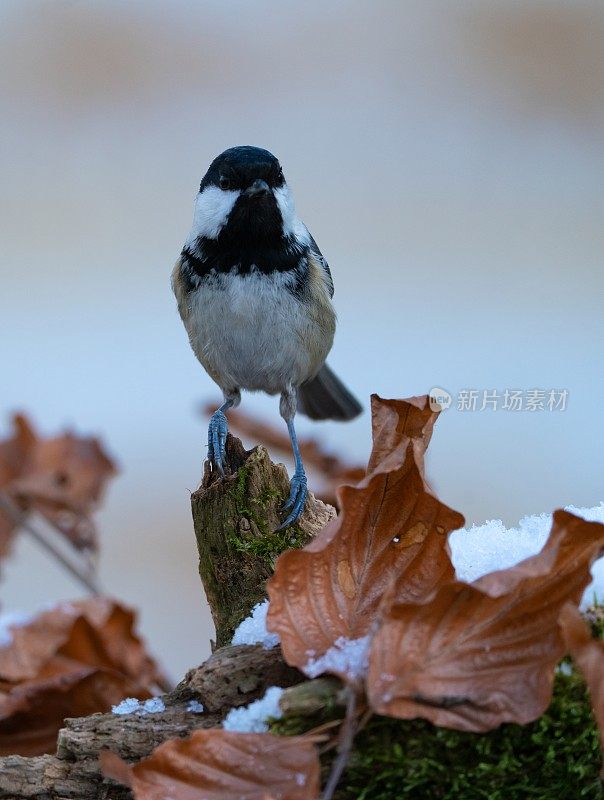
(326, 397)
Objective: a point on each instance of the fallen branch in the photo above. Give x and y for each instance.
(232, 676)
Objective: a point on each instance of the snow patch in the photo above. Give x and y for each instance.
(153, 706)
(345, 657)
(252, 718)
(485, 548)
(11, 619)
(195, 707)
(253, 629)
(133, 706)
(127, 706)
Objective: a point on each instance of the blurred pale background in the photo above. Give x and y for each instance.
(448, 158)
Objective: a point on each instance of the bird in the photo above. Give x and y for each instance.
(255, 295)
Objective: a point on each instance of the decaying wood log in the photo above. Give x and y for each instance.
(236, 675)
(236, 520)
(232, 676)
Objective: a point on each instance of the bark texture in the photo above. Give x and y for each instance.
(236, 520)
(232, 676)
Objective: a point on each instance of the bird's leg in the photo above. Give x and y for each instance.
(298, 483)
(217, 432)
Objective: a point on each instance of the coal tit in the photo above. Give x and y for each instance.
(255, 295)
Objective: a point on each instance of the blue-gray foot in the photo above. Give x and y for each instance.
(296, 499)
(217, 434)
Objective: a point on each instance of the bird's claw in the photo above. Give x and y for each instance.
(217, 434)
(296, 500)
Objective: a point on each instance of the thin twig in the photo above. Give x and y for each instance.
(20, 518)
(365, 719)
(347, 734)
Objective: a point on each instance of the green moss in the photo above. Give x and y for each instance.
(270, 544)
(557, 757)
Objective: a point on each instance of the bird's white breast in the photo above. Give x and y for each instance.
(250, 332)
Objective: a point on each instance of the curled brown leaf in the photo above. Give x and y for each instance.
(62, 478)
(221, 765)
(391, 535)
(73, 660)
(477, 655)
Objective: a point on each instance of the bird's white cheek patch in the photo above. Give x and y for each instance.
(292, 226)
(211, 211)
(285, 201)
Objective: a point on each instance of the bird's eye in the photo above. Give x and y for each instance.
(280, 177)
(224, 183)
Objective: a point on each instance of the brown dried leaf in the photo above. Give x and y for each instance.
(14, 452)
(63, 479)
(76, 659)
(588, 655)
(475, 656)
(390, 535)
(221, 765)
(97, 632)
(32, 713)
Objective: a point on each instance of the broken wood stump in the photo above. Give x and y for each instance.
(236, 520)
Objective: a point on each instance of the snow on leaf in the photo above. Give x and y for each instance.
(345, 657)
(391, 529)
(8, 621)
(476, 655)
(588, 655)
(220, 765)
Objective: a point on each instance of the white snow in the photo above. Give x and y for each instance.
(491, 546)
(133, 706)
(195, 707)
(252, 718)
(127, 706)
(153, 706)
(11, 619)
(253, 629)
(345, 657)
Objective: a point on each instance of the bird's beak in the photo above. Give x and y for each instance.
(259, 187)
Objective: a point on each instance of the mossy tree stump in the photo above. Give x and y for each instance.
(236, 520)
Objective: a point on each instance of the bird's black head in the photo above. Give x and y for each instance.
(243, 198)
(239, 168)
(244, 216)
